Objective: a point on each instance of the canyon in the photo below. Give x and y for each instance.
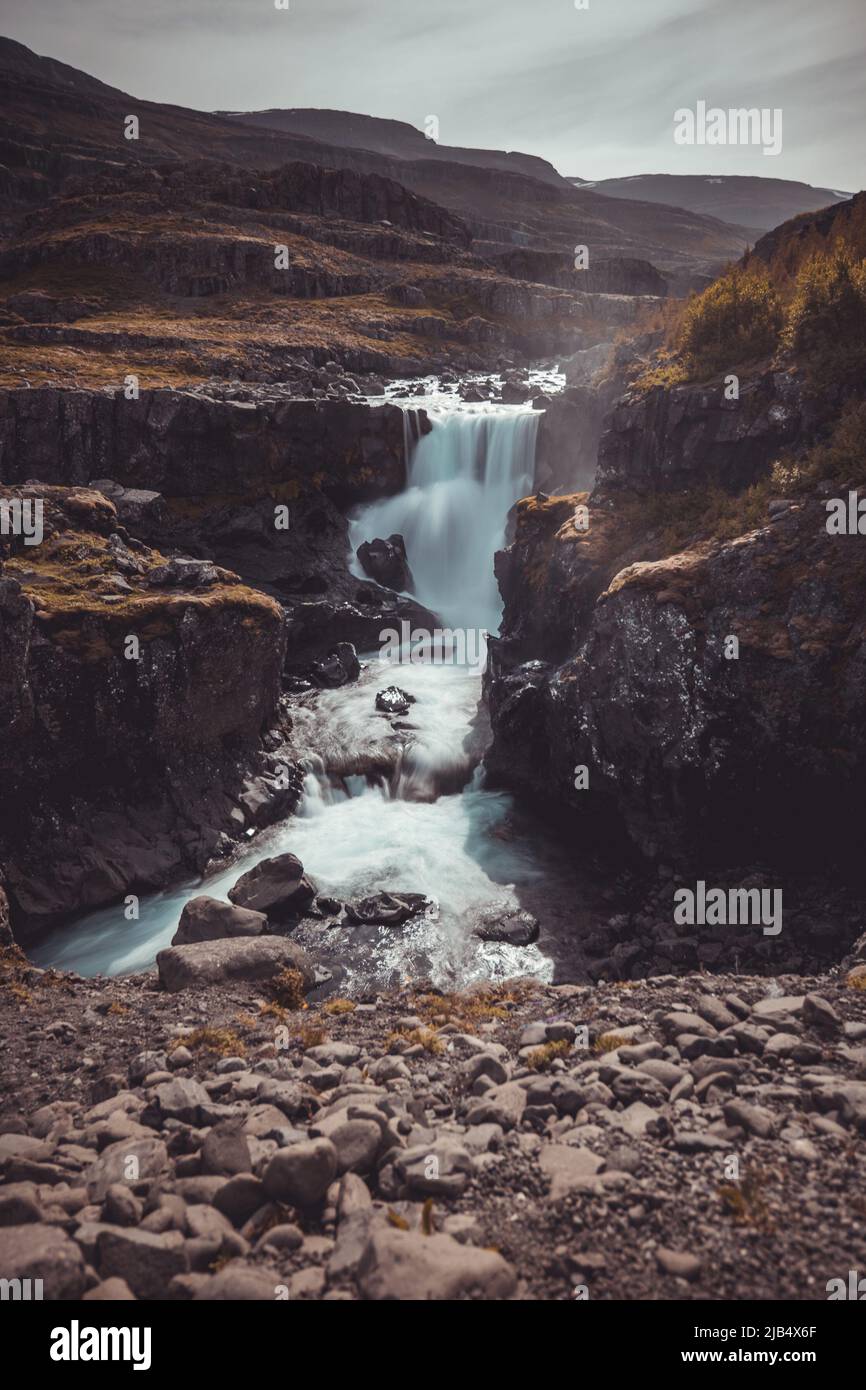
(402, 629)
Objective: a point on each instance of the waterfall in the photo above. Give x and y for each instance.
(395, 804)
(462, 479)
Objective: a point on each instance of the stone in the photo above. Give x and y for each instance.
(240, 1197)
(225, 1150)
(277, 887)
(569, 1167)
(40, 1252)
(679, 1263)
(125, 1161)
(109, 1291)
(385, 562)
(753, 1118)
(778, 1004)
(285, 1237)
(181, 1099)
(820, 1014)
(639, 1119)
(357, 1143)
(301, 1175)
(205, 963)
(405, 1266)
(517, 928)
(441, 1169)
(393, 700)
(19, 1204)
(122, 1207)
(147, 1262)
(238, 1283)
(208, 919)
(501, 1105)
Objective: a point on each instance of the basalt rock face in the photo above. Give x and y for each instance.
(184, 444)
(616, 659)
(132, 712)
(669, 439)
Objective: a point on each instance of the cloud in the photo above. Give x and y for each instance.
(593, 90)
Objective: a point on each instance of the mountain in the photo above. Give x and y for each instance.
(57, 123)
(756, 203)
(394, 139)
(784, 249)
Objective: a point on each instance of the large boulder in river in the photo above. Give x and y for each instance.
(206, 963)
(393, 700)
(386, 562)
(386, 909)
(278, 887)
(208, 919)
(513, 927)
(340, 667)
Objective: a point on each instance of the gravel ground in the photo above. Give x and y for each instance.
(698, 1137)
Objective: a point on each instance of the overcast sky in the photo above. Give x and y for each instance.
(592, 90)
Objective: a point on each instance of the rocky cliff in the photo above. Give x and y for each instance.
(187, 444)
(616, 650)
(135, 692)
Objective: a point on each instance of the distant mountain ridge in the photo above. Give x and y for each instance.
(58, 124)
(752, 202)
(394, 139)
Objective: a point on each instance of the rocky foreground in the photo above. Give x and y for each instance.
(691, 1138)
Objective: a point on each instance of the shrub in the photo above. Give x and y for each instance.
(826, 319)
(736, 319)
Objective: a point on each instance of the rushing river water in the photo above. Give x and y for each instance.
(397, 803)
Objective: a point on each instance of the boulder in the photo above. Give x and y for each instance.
(38, 1252)
(340, 667)
(406, 1266)
(145, 1261)
(393, 700)
(208, 919)
(516, 928)
(301, 1174)
(386, 909)
(278, 887)
(386, 562)
(206, 963)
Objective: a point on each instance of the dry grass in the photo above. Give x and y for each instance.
(746, 1201)
(414, 1037)
(492, 1003)
(14, 971)
(287, 989)
(608, 1042)
(335, 1007)
(220, 1042)
(540, 1058)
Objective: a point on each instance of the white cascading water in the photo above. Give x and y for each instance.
(462, 479)
(395, 803)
